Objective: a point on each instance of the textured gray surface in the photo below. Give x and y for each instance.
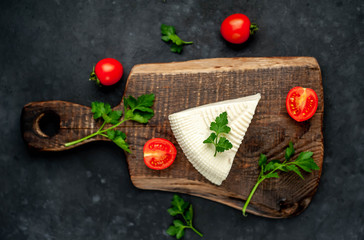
(47, 51)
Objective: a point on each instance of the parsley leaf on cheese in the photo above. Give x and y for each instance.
(269, 170)
(169, 34)
(223, 144)
(219, 127)
(139, 110)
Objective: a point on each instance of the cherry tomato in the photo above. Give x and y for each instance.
(237, 28)
(159, 153)
(108, 71)
(301, 103)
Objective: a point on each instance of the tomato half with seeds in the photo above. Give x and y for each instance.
(301, 103)
(159, 153)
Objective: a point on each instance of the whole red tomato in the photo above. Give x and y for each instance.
(237, 28)
(108, 71)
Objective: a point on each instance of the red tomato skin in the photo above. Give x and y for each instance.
(163, 146)
(109, 71)
(236, 28)
(311, 95)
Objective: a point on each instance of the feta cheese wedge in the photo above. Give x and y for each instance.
(192, 126)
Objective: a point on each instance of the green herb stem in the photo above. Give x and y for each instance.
(196, 231)
(189, 222)
(98, 132)
(114, 126)
(261, 177)
(215, 143)
(102, 126)
(268, 170)
(251, 194)
(184, 218)
(82, 139)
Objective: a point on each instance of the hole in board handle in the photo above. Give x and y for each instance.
(47, 124)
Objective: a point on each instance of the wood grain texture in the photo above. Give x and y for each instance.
(75, 121)
(182, 85)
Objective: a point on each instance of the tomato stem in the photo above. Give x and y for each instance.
(93, 77)
(253, 28)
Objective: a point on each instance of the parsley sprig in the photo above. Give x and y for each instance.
(219, 127)
(269, 170)
(169, 34)
(185, 209)
(138, 110)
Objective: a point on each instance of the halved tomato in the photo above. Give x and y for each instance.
(301, 103)
(159, 153)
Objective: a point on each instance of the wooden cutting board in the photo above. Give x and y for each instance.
(182, 85)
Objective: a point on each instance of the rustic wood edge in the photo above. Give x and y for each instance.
(215, 64)
(216, 195)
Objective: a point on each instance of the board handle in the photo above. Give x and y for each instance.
(47, 126)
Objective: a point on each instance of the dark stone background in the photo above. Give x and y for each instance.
(47, 51)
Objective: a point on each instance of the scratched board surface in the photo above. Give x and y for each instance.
(179, 86)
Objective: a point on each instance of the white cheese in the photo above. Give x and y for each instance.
(192, 126)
